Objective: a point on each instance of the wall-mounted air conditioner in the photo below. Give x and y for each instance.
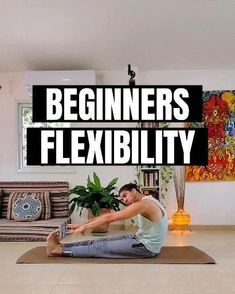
(67, 77)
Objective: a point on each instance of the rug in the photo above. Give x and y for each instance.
(168, 255)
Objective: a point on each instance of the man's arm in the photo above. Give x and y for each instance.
(76, 226)
(109, 218)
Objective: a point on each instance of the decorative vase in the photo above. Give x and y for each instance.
(101, 229)
(180, 217)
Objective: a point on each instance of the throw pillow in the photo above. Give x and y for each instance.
(59, 204)
(5, 199)
(27, 209)
(42, 196)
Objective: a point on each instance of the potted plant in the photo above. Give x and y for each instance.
(96, 198)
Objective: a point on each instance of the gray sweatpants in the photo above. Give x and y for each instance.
(124, 246)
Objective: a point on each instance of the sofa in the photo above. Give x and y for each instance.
(55, 210)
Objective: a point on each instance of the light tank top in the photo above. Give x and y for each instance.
(152, 234)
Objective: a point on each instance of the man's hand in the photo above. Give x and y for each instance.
(73, 226)
(77, 229)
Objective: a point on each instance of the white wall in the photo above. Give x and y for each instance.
(207, 202)
(13, 90)
(210, 203)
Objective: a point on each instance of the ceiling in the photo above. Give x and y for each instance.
(109, 34)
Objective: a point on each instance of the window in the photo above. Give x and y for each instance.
(24, 122)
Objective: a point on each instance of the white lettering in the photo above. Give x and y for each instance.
(163, 105)
(45, 145)
(121, 142)
(187, 144)
(184, 112)
(53, 99)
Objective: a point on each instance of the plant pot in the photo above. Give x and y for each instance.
(101, 228)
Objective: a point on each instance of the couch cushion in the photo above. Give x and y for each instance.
(59, 206)
(27, 209)
(1, 200)
(42, 196)
(5, 200)
(59, 203)
(11, 231)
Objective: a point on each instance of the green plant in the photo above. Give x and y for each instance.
(166, 173)
(95, 196)
(137, 175)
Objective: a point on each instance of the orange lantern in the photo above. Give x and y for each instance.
(181, 218)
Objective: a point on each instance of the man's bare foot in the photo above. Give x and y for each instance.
(54, 247)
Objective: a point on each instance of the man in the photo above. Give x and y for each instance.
(146, 242)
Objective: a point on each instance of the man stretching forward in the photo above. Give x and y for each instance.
(146, 242)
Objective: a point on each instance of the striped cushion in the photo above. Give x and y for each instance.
(59, 203)
(57, 189)
(12, 231)
(5, 204)
(42, 196)
(1, 200)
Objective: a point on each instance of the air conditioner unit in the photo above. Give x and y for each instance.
(67, 77)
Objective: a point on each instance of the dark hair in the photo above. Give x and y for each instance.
(128, 187)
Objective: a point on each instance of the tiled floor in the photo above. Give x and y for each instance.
(126, 279)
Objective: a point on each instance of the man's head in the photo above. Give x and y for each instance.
(129, 193)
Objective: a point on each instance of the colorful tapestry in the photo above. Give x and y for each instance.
(219, 118)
